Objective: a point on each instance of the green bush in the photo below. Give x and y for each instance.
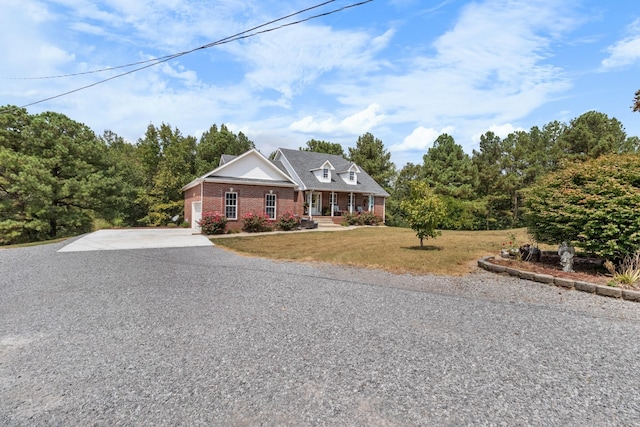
(594, 205)
(212, 223)
(360, 218)
(288, 221)
(255, 223)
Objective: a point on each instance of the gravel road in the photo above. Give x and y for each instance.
(201, 336)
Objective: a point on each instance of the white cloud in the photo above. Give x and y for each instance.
(626, 51)
(501, 131)
(357, 123)
(420, 139)
(299, 55)
(491, 66)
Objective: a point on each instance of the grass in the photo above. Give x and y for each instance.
(29, 244)
(388, 248)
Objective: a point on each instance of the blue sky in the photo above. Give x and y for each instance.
(404, 70)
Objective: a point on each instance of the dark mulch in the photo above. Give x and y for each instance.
(587, 269)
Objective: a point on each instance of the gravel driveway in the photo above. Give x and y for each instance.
(200, 336)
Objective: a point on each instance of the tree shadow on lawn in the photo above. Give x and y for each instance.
(423, 248)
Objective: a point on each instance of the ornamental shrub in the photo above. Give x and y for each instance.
(255, 223)
(288, 221)
(360, 218)
(594, 205)
(349, 218)
(212, 223)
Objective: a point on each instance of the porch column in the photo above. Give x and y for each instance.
(352, 201)
(310, 203)
(333, 199)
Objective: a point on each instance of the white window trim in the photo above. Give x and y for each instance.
(226, 205)
(275, 205)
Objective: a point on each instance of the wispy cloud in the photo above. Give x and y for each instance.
(420, 139)
(355, 124)
(626, 51)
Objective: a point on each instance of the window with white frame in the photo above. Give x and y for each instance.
(325, 173)
(270, 206)
(352, 176)
(231, 205)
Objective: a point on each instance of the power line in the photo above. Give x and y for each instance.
(167, 56)
(229, 39)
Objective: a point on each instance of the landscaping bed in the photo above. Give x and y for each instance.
(587, 269)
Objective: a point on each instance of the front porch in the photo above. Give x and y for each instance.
(332, 204)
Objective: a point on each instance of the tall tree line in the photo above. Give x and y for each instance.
(484, 190)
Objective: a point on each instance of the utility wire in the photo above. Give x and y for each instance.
(167, 56)
(235, 37)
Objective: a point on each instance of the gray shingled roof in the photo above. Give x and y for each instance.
(303, 162)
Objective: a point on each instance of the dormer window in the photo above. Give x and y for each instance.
(350, 175)
(323, 172)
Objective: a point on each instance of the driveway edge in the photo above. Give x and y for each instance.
(608, 291)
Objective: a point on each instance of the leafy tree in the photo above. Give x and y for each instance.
(53, 174)
(591, 135)
(449, 170)
(424, 210)
(370, 154)
(592, 204)
(216, 142)
(401, 190)
(488, 163)
(323, 147)
(636, 102)
(126, 166)
(175, 168)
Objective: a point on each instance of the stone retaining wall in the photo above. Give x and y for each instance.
(608, 291)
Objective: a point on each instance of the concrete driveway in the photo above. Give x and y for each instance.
(139, 238)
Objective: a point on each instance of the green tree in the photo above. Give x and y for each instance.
(592, 204)
(591, 135)
(216, 142)
(54, 176)
(126, 167)
(401, 190)
(323, 147)
(636, 102)
(489, 163)
(449, 170)
(175, 168)
(424, 210)
(370, 154)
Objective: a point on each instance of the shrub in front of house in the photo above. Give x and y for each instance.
(212, 223)
(255, 223)
(360, 218)
(288, 221)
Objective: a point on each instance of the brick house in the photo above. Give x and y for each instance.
(306, 183)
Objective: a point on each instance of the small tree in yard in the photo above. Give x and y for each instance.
(424, 211)
(594, 205)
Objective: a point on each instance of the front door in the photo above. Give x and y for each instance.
(196, 214)
(316, 204)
